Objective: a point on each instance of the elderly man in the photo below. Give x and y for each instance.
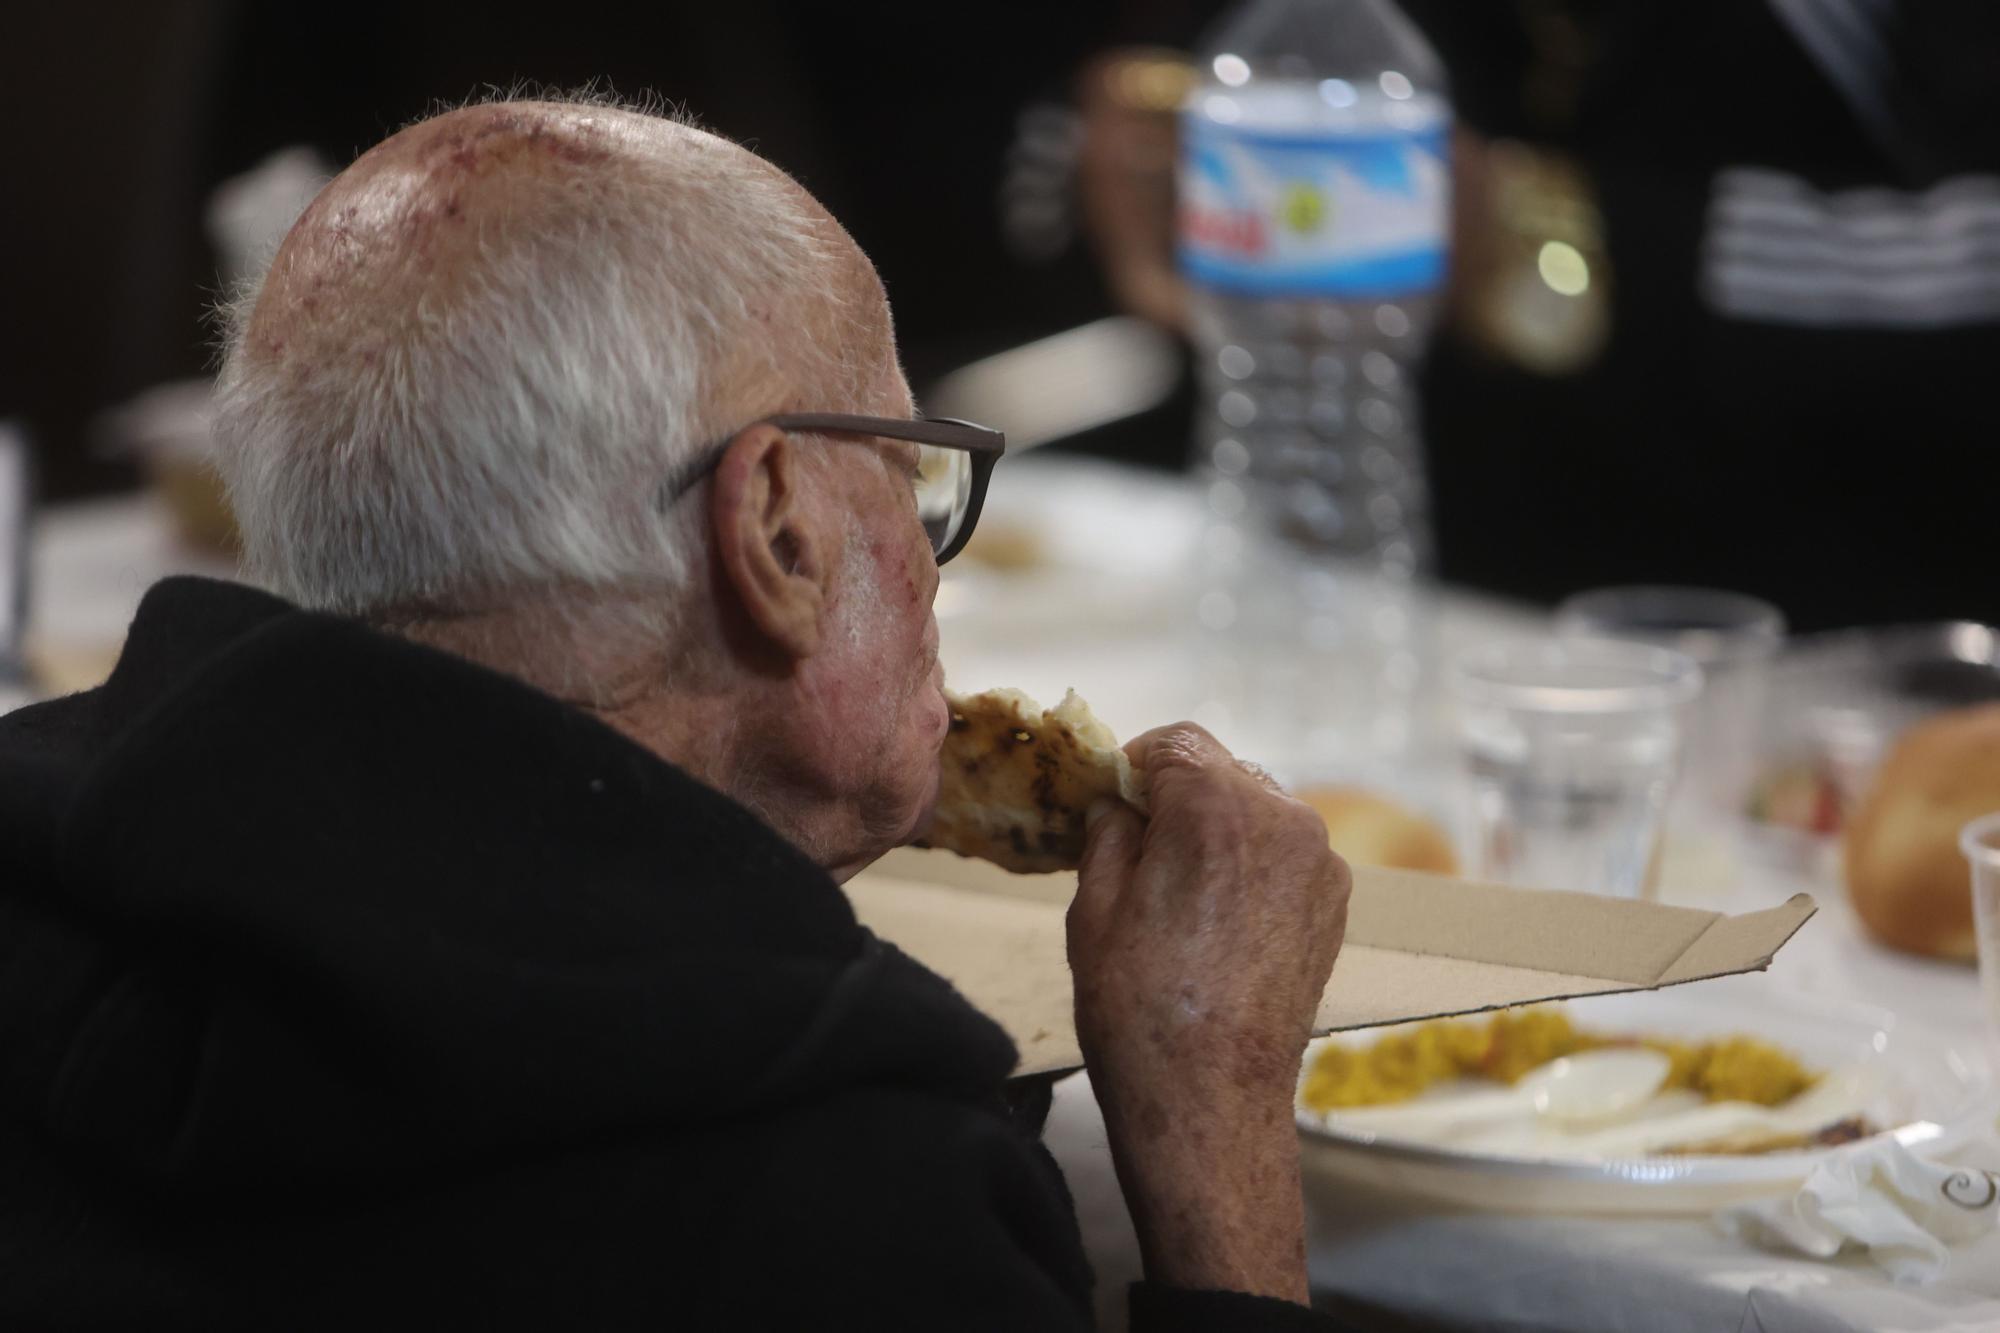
(457, 943)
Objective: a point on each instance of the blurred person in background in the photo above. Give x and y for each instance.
(1726, 281)
(461, 946)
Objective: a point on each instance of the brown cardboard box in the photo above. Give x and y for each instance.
(1418, 946)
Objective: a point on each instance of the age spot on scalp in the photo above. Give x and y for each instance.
(467, 149)
(342, 226)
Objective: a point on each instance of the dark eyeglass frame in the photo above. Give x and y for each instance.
(985, 444)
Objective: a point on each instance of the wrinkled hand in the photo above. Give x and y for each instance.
(1201, 939)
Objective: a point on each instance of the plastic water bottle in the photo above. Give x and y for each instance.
(1314, 198)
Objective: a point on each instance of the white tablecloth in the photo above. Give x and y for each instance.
(89, 565)
(1116, 636)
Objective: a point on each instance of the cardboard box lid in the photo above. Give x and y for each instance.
(1418, 946)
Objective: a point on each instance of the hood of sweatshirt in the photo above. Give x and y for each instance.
(287, 899)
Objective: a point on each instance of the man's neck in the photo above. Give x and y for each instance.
(673, 701)
(670, 702)
(716, 739)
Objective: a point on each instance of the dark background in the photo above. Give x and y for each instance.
(896, 115)
(1848, 476)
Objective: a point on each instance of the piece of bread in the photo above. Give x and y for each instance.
(1905, 875)
(1017, 780)
(1005, 546)
(1371, 830)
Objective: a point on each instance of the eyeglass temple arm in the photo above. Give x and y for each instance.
(925, 430)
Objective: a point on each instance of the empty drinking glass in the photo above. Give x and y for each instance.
(1570, 751)
(1732, 638)
(1981, 844)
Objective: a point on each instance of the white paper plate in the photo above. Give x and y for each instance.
(1934, 1094)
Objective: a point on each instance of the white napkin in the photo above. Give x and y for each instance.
(1882, 1198)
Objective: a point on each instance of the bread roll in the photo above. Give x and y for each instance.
(1905, 875)
(1016, 780)
(1368, 830)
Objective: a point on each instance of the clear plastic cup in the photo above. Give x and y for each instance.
(1570, 751)
(1980, 841)
(1732, 638)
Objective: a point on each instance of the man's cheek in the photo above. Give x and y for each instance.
(920, 573)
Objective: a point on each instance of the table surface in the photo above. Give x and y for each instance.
(1114, 638)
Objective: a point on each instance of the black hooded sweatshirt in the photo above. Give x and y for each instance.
(347, 985)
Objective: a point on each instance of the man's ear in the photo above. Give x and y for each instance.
(773, 552)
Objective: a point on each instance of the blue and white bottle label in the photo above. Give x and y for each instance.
(1314, 213)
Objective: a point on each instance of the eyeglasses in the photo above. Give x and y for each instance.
(955, 465)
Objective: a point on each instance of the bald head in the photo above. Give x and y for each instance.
(483, 347)
(409, 217)
(426, 224)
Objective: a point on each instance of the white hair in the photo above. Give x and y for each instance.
(516, 437)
